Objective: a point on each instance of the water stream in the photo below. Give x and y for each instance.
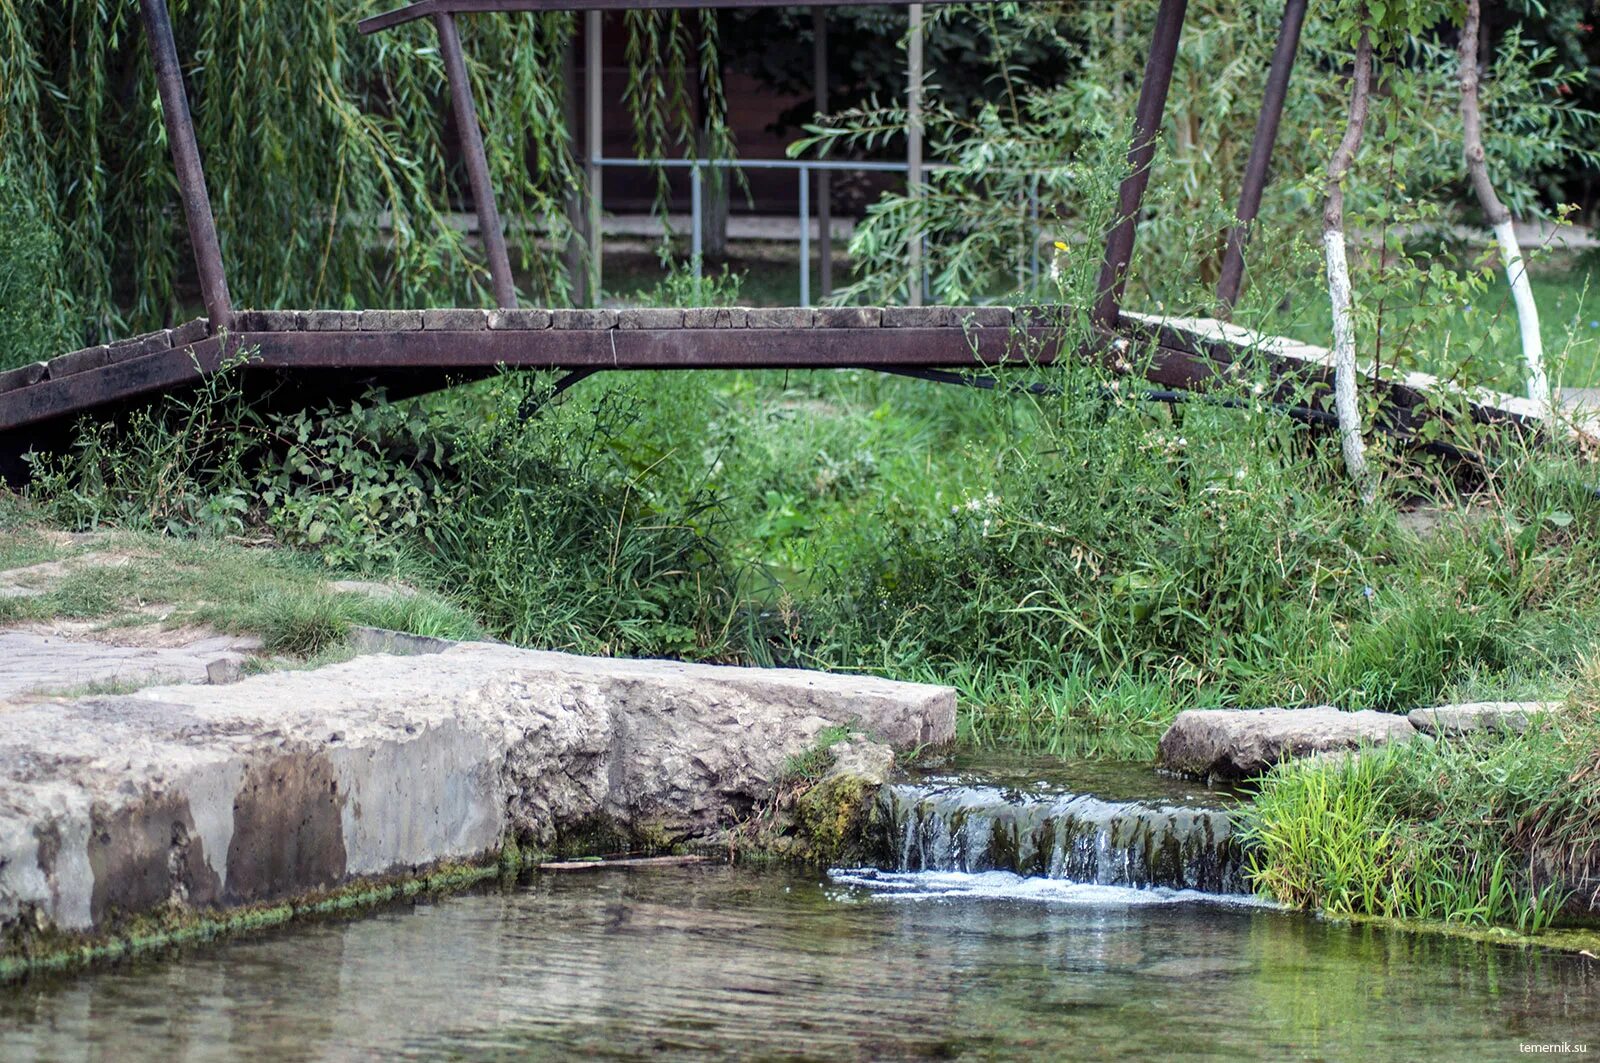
(1100, 824)
(944, 957)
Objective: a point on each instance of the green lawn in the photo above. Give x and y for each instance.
(1476, 342)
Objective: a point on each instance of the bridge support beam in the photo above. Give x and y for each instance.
(1146, 130)
(186, 160)
(1255, 171)
(489, 227)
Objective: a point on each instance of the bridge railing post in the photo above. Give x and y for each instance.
(466, 112)
(1255, 171)
(1146, 131)
(179, 122)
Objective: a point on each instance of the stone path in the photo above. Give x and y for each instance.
(36, 664)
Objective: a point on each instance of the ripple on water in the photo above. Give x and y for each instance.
(1006, 886)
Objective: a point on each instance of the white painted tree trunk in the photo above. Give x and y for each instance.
(1527, 315)
(1339, 296)
(1497, 213)
(1344, 364)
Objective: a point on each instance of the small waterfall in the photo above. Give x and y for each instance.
(953, 824)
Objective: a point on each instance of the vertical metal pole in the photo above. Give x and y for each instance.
(697, 245)
(819, 78)
(1033, 216)
(1146, 130)
(914, 146)
(592, 27)
(494, 237)
(577, 220)
(805, 237)
(186, 160)
(1255, 171)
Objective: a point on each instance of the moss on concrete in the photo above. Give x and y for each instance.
(31, 950)
(833, 817)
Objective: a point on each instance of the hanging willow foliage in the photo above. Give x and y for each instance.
(674, 69)
(329, 155)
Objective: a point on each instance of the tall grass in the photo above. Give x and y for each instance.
(1494, 830)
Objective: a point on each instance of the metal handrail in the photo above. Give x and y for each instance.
(804, 168)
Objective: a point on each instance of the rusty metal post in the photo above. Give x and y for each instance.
(186, 160)
(577, 218)
(594, 134)
(1146, 130)
(914, 73)
(494, 237)
(819, 80)
(1255, 171)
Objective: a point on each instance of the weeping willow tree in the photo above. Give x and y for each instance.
(1063, 147)
(1045, 158)
(329, 155)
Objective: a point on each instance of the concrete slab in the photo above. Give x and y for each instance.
(34, 664)
(1229, 744)
(1511, 717)
(292, 782)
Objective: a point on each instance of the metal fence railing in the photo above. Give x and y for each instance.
(804, 168)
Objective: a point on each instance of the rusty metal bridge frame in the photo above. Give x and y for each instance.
(329, 355)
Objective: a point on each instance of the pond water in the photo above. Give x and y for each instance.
(713, 960)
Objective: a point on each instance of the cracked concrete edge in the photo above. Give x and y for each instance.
(208, 798)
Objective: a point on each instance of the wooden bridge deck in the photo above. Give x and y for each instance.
(336, 352)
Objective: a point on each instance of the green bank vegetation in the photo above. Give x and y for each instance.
(1477, 830)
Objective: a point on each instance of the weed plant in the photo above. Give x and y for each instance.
(1479, 830)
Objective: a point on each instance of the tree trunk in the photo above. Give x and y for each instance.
(1333, 244)
(1498, 216)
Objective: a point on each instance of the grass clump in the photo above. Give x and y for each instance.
(812, 764)
(1476, 830)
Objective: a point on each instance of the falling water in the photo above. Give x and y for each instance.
(1171, 836)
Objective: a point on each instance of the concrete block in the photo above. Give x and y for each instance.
(380, 640)
(781, 317)
(391, 321)
(139, 346)
(332, 320)
(583, 319)
(1041, 316)
(650, 317)
(223, 671)
(191, 332)
(289, 783)
(78, 362)
(1234, 744)
(22, 376)
(971, 317)
(1505, 717)
(916, 316)
(268, 321)
(716, 317)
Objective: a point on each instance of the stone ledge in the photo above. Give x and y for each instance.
(1512, 717)
(293, 782)
(1233, 744)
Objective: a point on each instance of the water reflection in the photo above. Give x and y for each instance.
(724, 961)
